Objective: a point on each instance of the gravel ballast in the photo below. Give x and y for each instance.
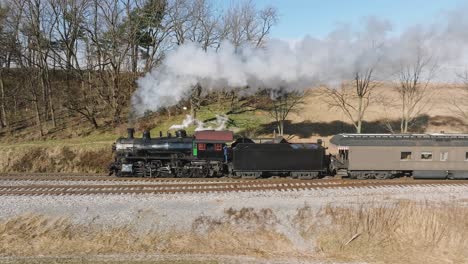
(179, 210)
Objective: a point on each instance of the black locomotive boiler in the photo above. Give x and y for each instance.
(169, 156)
(208, 154)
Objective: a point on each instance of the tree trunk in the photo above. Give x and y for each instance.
(403, 118)
(38, 115)
(115, 98)
(134, 58)
(49, 97)
(94, 122)
(281, 128)
(359, 126)
(91, 118)
(45, 100)
(195, 100)
(359, 117)
(3, 121)
(193, 110)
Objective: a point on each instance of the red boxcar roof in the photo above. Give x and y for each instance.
(211, 135)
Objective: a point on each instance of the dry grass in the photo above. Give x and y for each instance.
(84, 159)
(241, 232)
(402, 233)
(397, 233)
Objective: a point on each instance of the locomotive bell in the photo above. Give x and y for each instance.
(146, 135)
(181, 133)
(130, 132)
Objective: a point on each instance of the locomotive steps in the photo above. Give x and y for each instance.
(30, 185)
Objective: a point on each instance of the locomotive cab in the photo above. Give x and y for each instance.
(212, 145)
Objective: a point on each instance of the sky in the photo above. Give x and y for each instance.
(316, 18)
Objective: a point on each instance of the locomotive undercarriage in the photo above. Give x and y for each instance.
(302, 175)
(169, 168)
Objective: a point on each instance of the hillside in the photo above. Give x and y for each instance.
(77, 147)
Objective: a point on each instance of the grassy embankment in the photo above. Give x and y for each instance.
(405, 232)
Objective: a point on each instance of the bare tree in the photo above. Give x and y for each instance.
(4, 58)
(110, 36)
(282, 104)
(243, 23)
(459, 104)
(413, 78)
(82, 57)
(354, 99)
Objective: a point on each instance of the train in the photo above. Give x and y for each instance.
(211, 153)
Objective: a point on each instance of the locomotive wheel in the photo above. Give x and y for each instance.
(181, 173)
(204, 172)
(199, 173)
(148, 173)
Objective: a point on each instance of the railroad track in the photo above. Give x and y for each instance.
(97, 177)
(240, 186)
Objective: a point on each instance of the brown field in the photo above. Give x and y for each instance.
(437, 113)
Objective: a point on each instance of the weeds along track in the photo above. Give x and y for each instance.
(81, 188)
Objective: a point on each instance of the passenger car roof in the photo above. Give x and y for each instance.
(400, 140)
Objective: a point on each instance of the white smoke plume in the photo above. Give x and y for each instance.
(188, 121)
(307, 63)
(220, 123)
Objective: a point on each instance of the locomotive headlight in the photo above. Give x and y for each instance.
(127, 167)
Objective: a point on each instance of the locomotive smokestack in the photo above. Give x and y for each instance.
(146, 135)
(130, 132)
(319, 142)
(181, 133)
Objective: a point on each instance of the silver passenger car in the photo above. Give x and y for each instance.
(381, 156)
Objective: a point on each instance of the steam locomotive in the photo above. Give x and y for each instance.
(207, 154)
(360, 156)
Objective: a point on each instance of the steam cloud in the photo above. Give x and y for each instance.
(305, 64)
(221, 121)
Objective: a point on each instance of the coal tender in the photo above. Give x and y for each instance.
(280, 158)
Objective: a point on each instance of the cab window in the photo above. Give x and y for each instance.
(201, 146)
(218, 147)
(209, 147)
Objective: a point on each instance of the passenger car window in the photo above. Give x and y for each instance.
(443, 156)
(405, 155)
(427, 155)
(466, 156)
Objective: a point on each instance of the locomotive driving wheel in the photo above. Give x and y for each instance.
(181, 172)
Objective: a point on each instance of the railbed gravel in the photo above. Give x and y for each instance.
(154, 211)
